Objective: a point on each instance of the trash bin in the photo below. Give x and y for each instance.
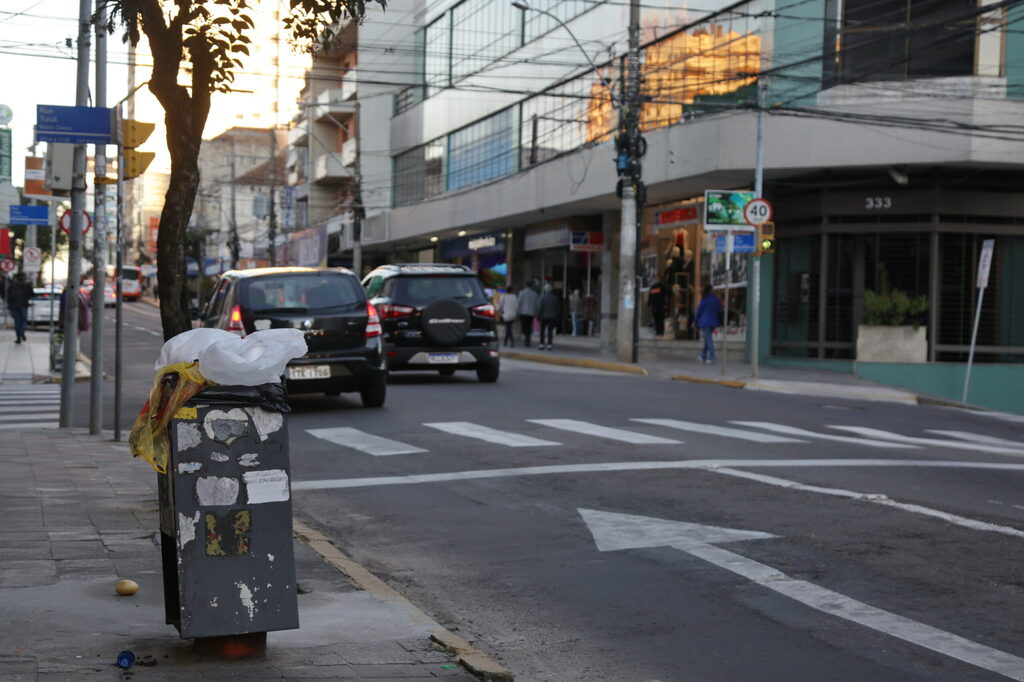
(226, 516)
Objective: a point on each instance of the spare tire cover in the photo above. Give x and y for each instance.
(445, 321)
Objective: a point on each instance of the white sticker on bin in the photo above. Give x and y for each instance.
(269, 485)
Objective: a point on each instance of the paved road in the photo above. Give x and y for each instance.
(559, 521)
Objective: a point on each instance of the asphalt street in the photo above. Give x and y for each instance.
(577, 524)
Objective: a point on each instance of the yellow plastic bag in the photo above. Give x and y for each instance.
(173, 386)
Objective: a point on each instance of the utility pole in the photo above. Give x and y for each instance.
(358, 210)
(234, 245)
(99, 237)
(71, 292)
(628, 147)
(755, 275)
(272, 222)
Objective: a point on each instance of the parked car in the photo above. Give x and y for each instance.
(342, 329)
(435, 316)
(40, 310)
(109, 293)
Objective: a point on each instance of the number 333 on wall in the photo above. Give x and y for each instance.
(876, 203)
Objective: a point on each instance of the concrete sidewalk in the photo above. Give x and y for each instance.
(677, 360)
(29, 362)
(80, 513)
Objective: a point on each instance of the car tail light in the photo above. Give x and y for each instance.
(372, 322)
(485, 310)
(389, 311)
(235, 325)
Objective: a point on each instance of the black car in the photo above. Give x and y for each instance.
(435, 317)
(342, 329)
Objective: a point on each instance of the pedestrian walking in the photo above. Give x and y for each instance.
(509, 313)
(528, 298)
(19, 295)
(707, 319)
(549, 310)
(656, 300)
(576, 311)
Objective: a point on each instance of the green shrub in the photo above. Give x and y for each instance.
(891, 307)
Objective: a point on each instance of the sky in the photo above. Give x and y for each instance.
(39, 67)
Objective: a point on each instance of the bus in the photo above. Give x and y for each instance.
(131, 284)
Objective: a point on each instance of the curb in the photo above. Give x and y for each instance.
(476, 661)
(701, 380)
(576, 362)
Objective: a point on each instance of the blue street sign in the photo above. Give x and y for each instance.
(742, 242)
(30, 215)
(74, 125)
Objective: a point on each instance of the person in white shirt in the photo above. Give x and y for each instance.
(509, 313)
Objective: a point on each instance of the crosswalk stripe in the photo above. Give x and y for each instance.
(933, 442)
(364, 442)
(793, 431)
(14, 403)
(979, 438)
(30, 425)
(589, 429)
(26, 391)
(22, 417)
(724, 431)
(489, 435)
(22, 407)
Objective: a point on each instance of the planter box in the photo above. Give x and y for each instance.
(892, 344)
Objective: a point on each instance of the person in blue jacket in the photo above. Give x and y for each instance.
(707, 319)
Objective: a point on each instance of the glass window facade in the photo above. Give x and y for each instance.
(437, 65)
(483, 151)
(484, 30)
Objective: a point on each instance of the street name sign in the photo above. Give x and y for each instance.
(742, 242)
(23, 214)
(74, 125)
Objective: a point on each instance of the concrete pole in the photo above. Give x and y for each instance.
(118, 315)
(71, 292)
(755, 275)
(99, 236)
(359, 211)
(234, 247)
(626, 325)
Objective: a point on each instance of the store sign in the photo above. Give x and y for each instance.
(309, 247)
(35, 178)
(677, 216)
(592, 242)
(477, 244)
(547, 238)
(725, 208)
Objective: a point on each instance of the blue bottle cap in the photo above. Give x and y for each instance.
(126, 659)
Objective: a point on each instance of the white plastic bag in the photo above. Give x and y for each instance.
(187, 346)
(259, 358)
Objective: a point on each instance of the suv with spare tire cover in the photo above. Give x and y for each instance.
(435, 316)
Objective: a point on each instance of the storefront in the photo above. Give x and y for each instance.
(567, 254)
(484, 254)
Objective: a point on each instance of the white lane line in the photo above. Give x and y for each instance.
(21, 417)
(22, 407)
(979, 438)
(933, 442)
(726, 432)
(489, 435)
(338, 483)
(873, 498)
(589, 429)
(363, 442)
(31, 425)
(792, 430)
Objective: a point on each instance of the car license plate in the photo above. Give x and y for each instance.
(309, 372)
(443, 358)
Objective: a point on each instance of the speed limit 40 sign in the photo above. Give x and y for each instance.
(758, 212)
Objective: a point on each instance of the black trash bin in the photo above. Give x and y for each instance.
(226, 515)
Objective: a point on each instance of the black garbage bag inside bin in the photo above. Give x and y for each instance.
(272, 397)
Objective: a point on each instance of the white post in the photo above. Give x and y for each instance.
(755, 275)
(984, 265)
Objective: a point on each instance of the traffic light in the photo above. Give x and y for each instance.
(766, 238)
(133, 134)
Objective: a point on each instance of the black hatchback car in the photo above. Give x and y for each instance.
(343, 332)
(435, 316)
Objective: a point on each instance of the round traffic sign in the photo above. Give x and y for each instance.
(758, 211)
(7, 266)
(33, 254)
(65, 222)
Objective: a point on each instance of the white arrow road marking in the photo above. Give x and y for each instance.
(364, 442)
(874, 498)
(726, 432)
(935, 442)
(444, 477)
(613, 531)
(979, 438)
(489, 435)
(621, 435)
(792, 430)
